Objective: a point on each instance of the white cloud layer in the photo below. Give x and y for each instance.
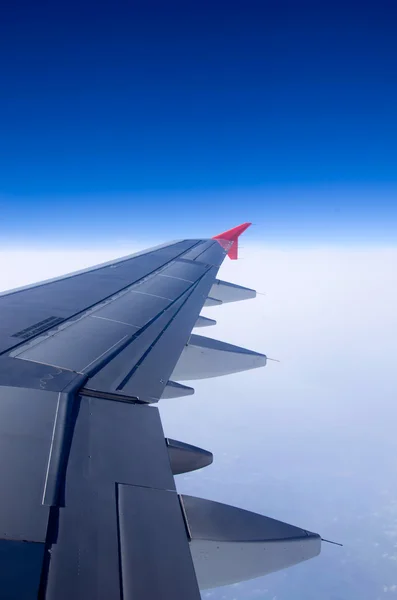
(310, 440)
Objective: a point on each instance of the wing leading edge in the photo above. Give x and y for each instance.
(89, 507)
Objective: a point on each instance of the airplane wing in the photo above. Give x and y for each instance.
(88, 504)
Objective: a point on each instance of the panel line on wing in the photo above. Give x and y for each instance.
(91, 308)
(93, 362)
(105, 352)
(142, 358)
(113, 321)
(154, 295)
(205, 250)
(188, 293)
(40, 362)
(173, 277)
(148, 324)
(140, 331)
(188, 261)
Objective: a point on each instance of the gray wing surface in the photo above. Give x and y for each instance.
(88, 504)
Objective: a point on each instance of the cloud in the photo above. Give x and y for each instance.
(310, 440)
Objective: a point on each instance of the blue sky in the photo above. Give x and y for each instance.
(181, 119)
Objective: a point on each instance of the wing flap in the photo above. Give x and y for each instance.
(149, 378)
(163, 286)
(149, 523)
(80, 345)
(133, 308)
(26, 423)
(114, 373)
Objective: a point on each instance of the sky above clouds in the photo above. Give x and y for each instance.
(133, 120)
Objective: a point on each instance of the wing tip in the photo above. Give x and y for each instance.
(229, 239)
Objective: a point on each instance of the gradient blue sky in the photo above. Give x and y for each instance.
(152, 119)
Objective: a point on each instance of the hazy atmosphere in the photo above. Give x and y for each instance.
(310, 440)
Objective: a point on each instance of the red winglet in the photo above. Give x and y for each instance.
(232, 235)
